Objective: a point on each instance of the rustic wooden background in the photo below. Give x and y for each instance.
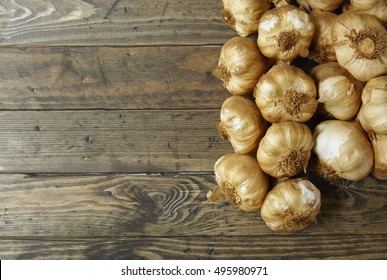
(107, 142)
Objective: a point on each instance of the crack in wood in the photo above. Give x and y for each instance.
(111, 9)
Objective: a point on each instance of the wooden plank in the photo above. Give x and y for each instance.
(152, 206)
(109, 141)
(201, 248)
(110, 78)
(100, 22)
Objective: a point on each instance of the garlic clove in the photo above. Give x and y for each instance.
(240, 65)
(285, 149)
(339, 92)
(286, 93)
(243, 15)
(374, 97)
(360, 45)
(291, 205)
(285, 33)
(242, 124)
(242, 181)
(342, 150)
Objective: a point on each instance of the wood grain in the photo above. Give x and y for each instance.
(277, 247)
(109, 141)
(165, 206)
(110, 78)
(108, 23)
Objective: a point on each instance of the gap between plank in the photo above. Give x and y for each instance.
(21, 46)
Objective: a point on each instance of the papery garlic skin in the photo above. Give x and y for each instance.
(321, 49)
(363, 122)
(285, 149)
(280, 3)
(286, 93)
(291, 205)
(360, 43)
(242, 124)
(379, 146)
(330, 5)
(343, 150)
(243, 15)
(376, 8)
(242, 181)
(374, 99)
(285, 33)
(339, 92)
(240, 65)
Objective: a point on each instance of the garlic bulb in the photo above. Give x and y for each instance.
(286, 93)
(242, 124)
(280, 3)
(379, 145)
(285, 149)
(376, 8)
(374, 99)
(240, 65)
(360, 43)
(330, 5)
(291, 205)
(285, 33)
(339, 92)
(241, 181)
(363, 123)
(321, 49)
(243, 15)
(342, 150)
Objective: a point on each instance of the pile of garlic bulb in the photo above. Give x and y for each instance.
(308, 95)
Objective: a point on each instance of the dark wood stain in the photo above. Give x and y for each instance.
(108, 141)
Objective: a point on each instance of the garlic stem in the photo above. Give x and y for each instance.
(230, 193)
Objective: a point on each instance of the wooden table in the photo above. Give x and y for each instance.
(108, 141)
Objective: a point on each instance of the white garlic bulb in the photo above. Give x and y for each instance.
(343, 150)
(285, 33)
(285, 149)
(379, 145)
(291, 205)
(286, 93)
(376, 8)
(242, 124)
(360, 45)
(280, 3)
(363, 122)
(374, 99)
(330, 5)
(321, 49)
(339, 92)
(243, 15)
(241, 181)
(240, 65)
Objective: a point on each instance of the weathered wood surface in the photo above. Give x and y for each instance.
(106, 23)
(110, 78)
(107, 137)
(152, 206)
(272, 247)
(109, 141)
